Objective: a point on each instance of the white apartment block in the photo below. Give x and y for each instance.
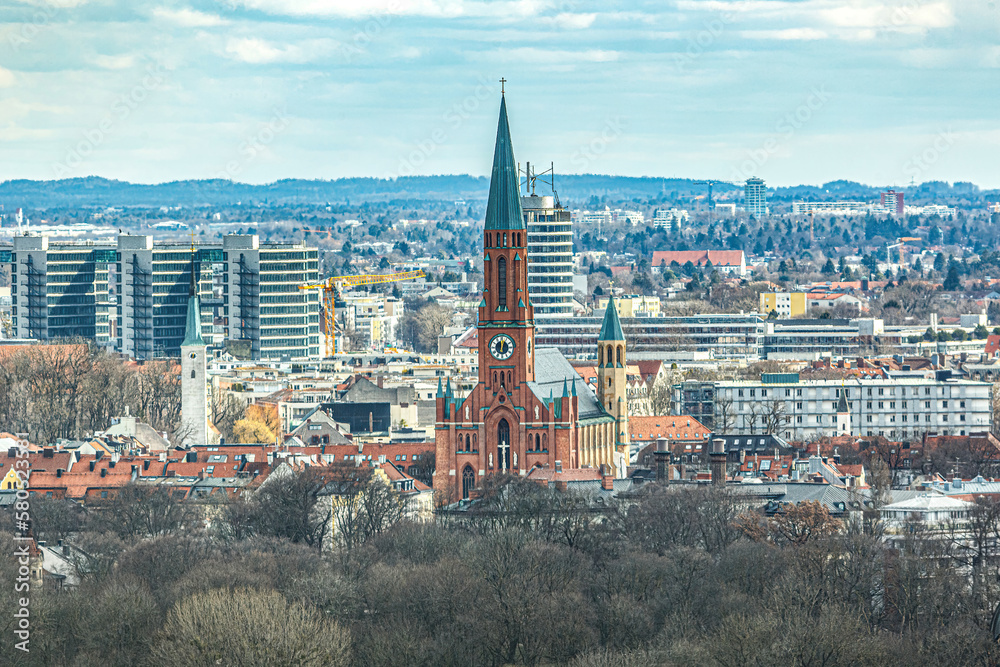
(895, 408)
(670, 218)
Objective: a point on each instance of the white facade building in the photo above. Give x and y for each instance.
(895, 408)
(550, 256)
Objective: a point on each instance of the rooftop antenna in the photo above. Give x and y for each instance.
(547, 177)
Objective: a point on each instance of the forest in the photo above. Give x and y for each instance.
(525, 576)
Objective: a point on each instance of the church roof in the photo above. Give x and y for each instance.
(552, 371)
(503, 210)
(192, 328)
(611, 329)
(842, 403)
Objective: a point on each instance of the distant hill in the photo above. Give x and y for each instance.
(581, 189)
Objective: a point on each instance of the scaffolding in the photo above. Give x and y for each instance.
(37, 305)
(142, 310)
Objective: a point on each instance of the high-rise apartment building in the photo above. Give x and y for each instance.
(755, 194)
(550, 256)
(62, 290)
(59, 290)
(892, 201)
(263, 304)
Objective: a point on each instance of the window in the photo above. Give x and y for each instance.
(798, 405)
(502, 283)
(468, 481)
(961, 404)
(944, 418)
(503, 445)
(944, 405)
(927, 404)
(880, 405)
(892, 405)
(869, 419)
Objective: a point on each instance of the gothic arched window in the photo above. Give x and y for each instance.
(503, 445)
(468, 481)
(502, 283)
(487, 240)
(619, 356)
(538, 443)
(545, 441)
(468, 444)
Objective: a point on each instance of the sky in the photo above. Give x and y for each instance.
(793, 91)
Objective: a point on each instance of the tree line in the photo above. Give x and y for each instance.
(526, 576)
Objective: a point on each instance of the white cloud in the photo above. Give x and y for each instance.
(114, 62)
(256, 51)
(433, 8)
(790, 34)
(188, 18)
(569, 21)
(6, 78)
(537, 56)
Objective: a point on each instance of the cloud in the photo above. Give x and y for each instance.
(569, 21)
(114, 62)
(188, 18)
(256, 51)
(430, 8)
(7, 78)
(530, 54)
(786, 34)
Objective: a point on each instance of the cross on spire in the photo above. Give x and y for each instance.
(502, 82)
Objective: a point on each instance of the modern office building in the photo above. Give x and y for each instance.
(59, 290)
(755, 194)
(716, 336)
(671, 218)
(62, 290)
(550, 256)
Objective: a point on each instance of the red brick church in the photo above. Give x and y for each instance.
(530, 408)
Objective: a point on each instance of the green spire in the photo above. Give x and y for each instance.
(192, 328)
(611, 329)
(503, 210)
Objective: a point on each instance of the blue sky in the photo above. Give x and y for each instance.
(793, 91)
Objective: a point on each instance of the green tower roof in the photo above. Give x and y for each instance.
(192, 328)
(503, 210)
(611, 329)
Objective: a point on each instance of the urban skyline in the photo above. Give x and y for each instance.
(261, 90)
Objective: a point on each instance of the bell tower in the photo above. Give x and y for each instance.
(612, 382)
(506, 316)
(194, 401)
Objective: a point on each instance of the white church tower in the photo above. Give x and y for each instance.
(194, 395)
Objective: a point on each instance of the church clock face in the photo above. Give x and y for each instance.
(502, 346)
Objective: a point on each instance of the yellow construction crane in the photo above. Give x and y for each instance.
(331, 286)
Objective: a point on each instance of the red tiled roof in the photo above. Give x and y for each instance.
(699, 257)
(992, 345)
(672, 427)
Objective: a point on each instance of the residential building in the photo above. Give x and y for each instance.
(632, 305)
(264, 307)
(672, 218)
(785, 304)
(550, 256)
(830, 207)
(892, 202)
(733, 262)
(893, 407)
(62, 290)
(755, 197)
(59, 290)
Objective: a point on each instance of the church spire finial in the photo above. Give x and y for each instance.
(502, 82)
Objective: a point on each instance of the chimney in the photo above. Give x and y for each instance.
(12, 453)
(558, 466)
(59, 472)
(718, 462)
(191, 457)
(104, 472)
(662, 456)
(48, 453)
(145, 464)
(92, 465)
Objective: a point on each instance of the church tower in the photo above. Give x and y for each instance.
(843, 414)
(506, 316)
(612, 383)
(194, 400)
